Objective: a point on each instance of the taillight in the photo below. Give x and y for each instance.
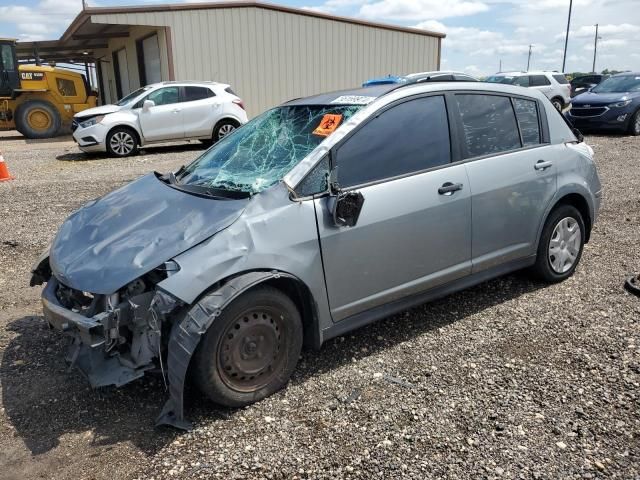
(239, 102)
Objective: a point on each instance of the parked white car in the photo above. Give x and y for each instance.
(161, 112)
(554, 85)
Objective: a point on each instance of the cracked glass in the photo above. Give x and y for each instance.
(261, 152)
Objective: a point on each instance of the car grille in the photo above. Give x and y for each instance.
(587, 112)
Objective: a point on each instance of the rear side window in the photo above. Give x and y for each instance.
(527, 114)
(521, 81)
(561, 79)
(406, 138)
(228, 90)
(191, 94)
(538, 81)
(489, 124)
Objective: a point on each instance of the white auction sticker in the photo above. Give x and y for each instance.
(354, 99)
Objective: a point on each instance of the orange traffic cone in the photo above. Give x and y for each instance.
(4, 171)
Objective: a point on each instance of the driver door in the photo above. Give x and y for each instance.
(9, 76)
(163, 121)
(411, 234)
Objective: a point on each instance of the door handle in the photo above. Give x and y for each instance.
(541, 165)
(176, 110)
(448, 188)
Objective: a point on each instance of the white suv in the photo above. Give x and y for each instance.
(553, 84)
(161, 112)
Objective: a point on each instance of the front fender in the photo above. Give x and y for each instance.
(186, 334)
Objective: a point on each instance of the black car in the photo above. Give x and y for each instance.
(585, 83)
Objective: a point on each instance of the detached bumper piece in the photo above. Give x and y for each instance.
(112, 347)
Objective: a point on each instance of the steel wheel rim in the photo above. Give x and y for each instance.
(225, 130)
(564, 245)
(122, 143)
(39, 119)
(251, 353)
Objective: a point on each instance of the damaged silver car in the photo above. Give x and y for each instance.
(315, 218)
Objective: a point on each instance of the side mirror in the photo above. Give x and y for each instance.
(147, 105)
(346, 208)
(578, 134)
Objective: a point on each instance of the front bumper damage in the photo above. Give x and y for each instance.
(116, 338)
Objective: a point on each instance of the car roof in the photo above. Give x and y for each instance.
(354, 96)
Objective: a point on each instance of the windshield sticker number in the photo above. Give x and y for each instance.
(328, 124)
(354, 100)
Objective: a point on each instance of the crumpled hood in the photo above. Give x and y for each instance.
(92, 112)
(590, 98)
(130, 231)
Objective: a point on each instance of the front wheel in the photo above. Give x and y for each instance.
(122, 142)
(561, 245)
(634, 125)
(250, 350)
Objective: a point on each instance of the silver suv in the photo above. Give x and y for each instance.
(315, 218)
(554, 85)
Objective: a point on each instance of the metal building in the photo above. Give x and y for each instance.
(268, 53)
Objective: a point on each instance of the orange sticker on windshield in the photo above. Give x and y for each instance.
(327, 126)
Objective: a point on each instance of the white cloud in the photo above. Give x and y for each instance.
(412, 10)
(43, 21)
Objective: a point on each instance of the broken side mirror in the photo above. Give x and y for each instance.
(578, 134)
(346, 208)
(147, 105)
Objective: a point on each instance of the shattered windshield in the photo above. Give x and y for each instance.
(260, 153)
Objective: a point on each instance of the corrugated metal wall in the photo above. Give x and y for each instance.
(271, 56)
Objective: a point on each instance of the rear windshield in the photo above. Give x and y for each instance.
(561, 79)
(261, 152)
(621, 84)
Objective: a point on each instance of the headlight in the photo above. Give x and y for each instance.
(624, 103)
(91, 121)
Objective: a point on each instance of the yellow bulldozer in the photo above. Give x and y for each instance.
(39, 101)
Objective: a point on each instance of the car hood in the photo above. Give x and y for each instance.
(101, 110)
(591, 98)
(111, 241)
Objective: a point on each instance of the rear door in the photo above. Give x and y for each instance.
(9, 76)
(511, 175)
(200, 111)
(163, 121)
(411, 234)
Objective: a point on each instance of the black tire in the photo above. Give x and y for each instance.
(223, 127)
(122, 142)
(543, 267)
(250, 350)
(634, 124)
(558, 103)
(37, 119)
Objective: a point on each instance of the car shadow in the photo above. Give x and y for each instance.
(79, 156)
(44, 401)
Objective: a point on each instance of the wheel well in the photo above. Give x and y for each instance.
(301, 296)
(226, 119)
(578, 201)
(131, 129)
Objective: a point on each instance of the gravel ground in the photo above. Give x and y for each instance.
(510, 379)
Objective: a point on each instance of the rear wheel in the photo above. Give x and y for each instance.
(561, 244)
(122, 142)
(37, 119)
(224, 128)
(250, 350)
(634, 125)
(557, 103)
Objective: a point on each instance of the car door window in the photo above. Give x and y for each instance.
(538, 81)
(489, 124)
(521, 81)
(164, 96)
(191, 94)
(527, 114)
(408, 137)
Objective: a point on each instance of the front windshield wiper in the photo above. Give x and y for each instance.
(202, 190)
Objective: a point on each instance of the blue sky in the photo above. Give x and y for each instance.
(480, 33)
